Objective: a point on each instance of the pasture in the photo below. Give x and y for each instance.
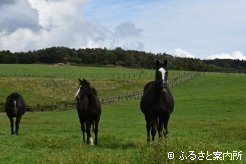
(209, 116)
(47, 84)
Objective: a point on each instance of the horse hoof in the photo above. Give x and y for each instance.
(150, 143)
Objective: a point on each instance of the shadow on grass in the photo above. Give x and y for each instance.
(2, 134)
(109, 141)
(114, 145)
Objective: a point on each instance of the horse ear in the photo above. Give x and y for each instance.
(165, 63)
(85, 81)
(80, 80)
(157, 63)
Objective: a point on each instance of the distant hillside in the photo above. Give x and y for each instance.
(119, 57)
(229, 65)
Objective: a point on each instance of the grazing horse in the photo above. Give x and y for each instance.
(157, 103)
(89, 110)
(15, 106)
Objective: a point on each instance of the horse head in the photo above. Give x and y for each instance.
(13, 102)
(83, 89)
(161, 75)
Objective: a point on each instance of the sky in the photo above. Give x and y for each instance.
(204, 29)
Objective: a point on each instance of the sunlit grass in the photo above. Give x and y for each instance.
(209, 116)
(50, 84)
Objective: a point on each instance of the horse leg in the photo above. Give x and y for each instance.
(161, 127)
(83, 130)
(11, 124)
(82, 127)
(147, 127)
(88, 132)
(96, 130)
(165, 125)
(17, 123)
(153, 128)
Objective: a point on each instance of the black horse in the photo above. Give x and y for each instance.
(157, 103)
(89, 110)
(15, 106)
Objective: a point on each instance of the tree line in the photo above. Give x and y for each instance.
(119, 57)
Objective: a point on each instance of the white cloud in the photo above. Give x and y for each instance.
(18, 15)
(233, 55)
(21, 39)
(182, 53)
(127, 29)
(47, 23)
(57, 13)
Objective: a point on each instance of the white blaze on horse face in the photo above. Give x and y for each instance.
(163, 71)
(77, 92)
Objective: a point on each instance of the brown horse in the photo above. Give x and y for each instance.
(15, 106)
(157, 103)
(89, 110)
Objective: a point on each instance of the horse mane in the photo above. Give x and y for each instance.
(12, 95)
(94, 91)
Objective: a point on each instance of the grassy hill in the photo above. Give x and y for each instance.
(209, 116)
(47, 84)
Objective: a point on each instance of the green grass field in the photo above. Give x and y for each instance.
(47, 84)
(50, 83)
(64, 71)
(209, 116)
